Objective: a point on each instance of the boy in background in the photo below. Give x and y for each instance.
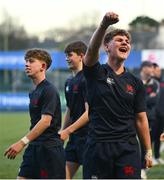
(76, 110)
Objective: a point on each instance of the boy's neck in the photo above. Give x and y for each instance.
(38, 80)
(118, 67)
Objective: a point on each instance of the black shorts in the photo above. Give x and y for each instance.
(112, 160)
(75, 148)
(43, 162)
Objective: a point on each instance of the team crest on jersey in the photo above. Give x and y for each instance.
(34, 102)
(129, 89)
(149, 90)
(110, 81)
(75, 88)
(67, 88)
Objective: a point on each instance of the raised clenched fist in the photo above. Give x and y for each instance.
(109, 19)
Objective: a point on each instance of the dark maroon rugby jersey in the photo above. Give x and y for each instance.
(151, 87)
(113, 102)
(75, 93)
(160, 102)
(45, 100)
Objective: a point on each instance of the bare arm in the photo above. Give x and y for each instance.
(67, 120)
(144, 136)
(92, 53)
(83, 120)
(38, 129)
(162, 137)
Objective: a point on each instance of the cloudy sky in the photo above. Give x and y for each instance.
(40, 15)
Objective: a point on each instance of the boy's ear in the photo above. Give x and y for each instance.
(44, 66)
(106, 47)
(82, 55)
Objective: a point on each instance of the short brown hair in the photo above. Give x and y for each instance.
(77, 47)
(109, 36)
(39, 54)
(146, 64)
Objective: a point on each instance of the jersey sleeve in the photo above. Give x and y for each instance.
(92, 72)
(50, 101)
(140, 100)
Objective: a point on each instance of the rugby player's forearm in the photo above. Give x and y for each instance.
(143, 130)
(67, 120)
(40, 127)
(97, 38)
(83, 120)
(92, 53)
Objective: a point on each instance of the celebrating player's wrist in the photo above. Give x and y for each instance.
(148, 154)
(25, 140)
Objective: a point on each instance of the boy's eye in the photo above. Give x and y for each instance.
(30, 60)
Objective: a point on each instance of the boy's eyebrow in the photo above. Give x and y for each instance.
(29, 59)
